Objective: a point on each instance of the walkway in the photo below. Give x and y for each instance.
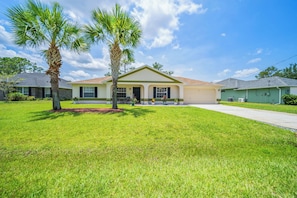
(284, 120)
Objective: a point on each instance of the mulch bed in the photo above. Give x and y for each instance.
(90, 110)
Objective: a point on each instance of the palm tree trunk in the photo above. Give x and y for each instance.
(55, 92)
(115, 57)
(55, 62)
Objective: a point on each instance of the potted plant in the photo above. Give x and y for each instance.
(133, 101)
(218, 100)
(75, 99)
(176, 101)
(153, 101)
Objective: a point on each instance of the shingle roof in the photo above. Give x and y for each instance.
(231, 83)
(193, 82)
(260, 83)
(93, 81)
(39, 80)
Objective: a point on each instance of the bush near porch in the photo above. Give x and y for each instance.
(147, 151)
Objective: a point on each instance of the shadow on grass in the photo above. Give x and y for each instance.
(51, 115)
(136, 112)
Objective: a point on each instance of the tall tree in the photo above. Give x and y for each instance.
(37, 25)
(268, 72)
(290, 72)
(159, 67)
(17, 65)
(120, 32)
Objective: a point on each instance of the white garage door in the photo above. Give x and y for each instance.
(199, 96)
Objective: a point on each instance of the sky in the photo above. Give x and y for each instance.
(208, 40)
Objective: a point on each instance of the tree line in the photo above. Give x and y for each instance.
(288, 72)
(17, 65)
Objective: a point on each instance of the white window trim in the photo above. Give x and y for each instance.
(161, 91)
(122, 90)
(89, 92)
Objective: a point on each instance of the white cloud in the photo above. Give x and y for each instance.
(259, 51)
(86, 60)
(224, 72)
(159, 19)
(150, 57)
(176, 47)
(181, 70)
(79, 73)
(69, 78)
(223, 34)
(255, 60)
(5, 37)
(245, 73)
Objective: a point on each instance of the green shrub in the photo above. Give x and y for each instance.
(31, 98)
(16, 96)
(290, 99)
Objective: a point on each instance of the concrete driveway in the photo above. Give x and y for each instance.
(284, 120)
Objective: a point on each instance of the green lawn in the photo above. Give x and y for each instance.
(270, 107)
(145, 151)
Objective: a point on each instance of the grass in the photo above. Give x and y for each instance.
(145, 151)
(262, 106)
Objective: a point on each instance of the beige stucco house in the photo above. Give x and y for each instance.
(146, 85)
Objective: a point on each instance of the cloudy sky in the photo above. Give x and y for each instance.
(208, 40)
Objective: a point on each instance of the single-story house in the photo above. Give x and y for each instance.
(264, 90)
(39, 86)
(146, 84)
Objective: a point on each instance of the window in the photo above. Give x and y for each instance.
(161, 91)
(47, 92)
(89, 92)
(23, 90)
(121, 92)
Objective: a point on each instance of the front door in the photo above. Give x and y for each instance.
(136, 93)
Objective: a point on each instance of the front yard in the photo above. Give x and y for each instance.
(144, 151)
(264, 106)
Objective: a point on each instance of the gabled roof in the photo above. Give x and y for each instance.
(158, 74)
(231, 83)
(159, 77)
(193, 82)
(39, 80)
(259, 83)
(101, 80)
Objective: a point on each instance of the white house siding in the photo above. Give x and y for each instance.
(101, 90)
(75, 91)
(194, 95)
(145, 75)
(293, 90)
(174, 90)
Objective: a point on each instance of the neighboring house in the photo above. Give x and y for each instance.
(145, 84)
(39, 86)
(264, 90)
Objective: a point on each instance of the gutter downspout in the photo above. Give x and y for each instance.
(279, 95)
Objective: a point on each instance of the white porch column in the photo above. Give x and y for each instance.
(181, 94)
(218, 94)
(108, 94)
(146, 93)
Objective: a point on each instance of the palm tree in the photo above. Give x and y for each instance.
(120, 32)
(37, 25)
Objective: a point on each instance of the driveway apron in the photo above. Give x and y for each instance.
(284, 120)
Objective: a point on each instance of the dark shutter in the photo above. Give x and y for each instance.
(51, 93)
(96, 92)
(80, 92)
(168, 92)
(43, 93)
(30, 91)
(155, 92)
